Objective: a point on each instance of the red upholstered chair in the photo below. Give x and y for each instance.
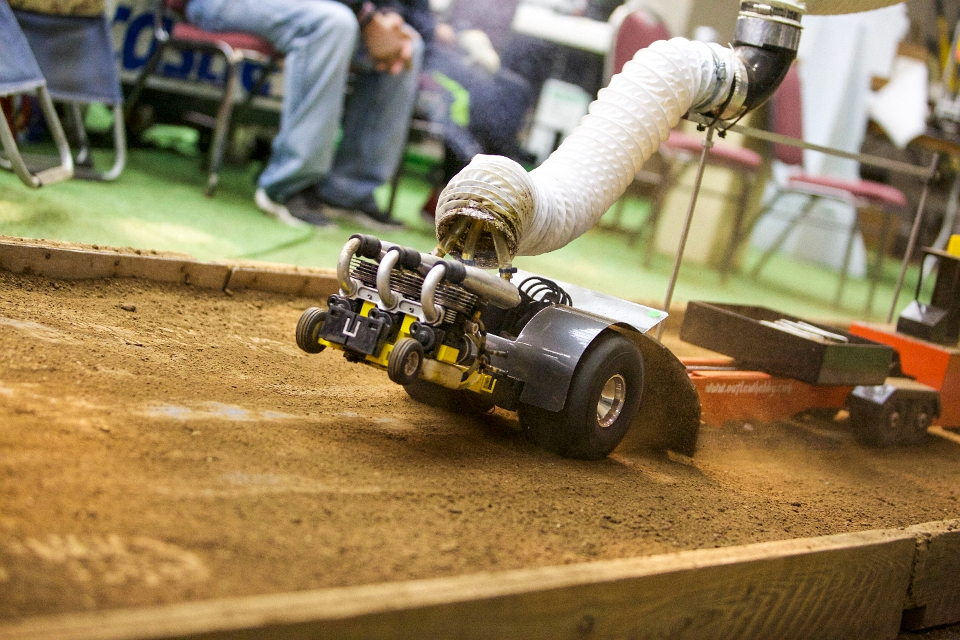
(638, 30)
(786, 118)
(235, 48)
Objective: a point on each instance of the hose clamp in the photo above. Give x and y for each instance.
(773, 11)
(762, 31)
(733, 108)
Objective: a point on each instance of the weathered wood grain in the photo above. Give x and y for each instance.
(843, 586)
(84, 264)
(934, 595)
(304, 283)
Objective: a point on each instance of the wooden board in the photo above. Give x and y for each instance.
(292, 281)
(934, 595)
(843, 586)
(82, 263)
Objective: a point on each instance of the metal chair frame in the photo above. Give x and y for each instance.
(83, 160)
(234, 58)
(30, 81)
(14, 160)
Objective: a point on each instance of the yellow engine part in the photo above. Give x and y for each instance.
(388, 348)
(447, 354)
(953, 247)
(479, 383)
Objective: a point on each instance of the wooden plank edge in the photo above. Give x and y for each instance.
(940, 432)
(934, 595)
(841, 586)
(69, 263)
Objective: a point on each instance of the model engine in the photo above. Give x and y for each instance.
(410, 314)
(461, 338)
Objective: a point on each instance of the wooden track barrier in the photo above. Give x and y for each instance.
(854, 585)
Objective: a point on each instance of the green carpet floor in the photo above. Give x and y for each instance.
(158, 204)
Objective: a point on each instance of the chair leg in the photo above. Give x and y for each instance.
(739, 217)
(394, 188)
(119, 145)
(8, 143)
(616, 218)
(653, 219)
(148, 69)
(222, 129)
(778, 243)
(847, 254)
(877, 269)
(395, 179)
(83, 156)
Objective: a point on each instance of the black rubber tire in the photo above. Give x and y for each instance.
(405, 361)
(308, 330)
(575, 431)
(450, 399)
(914, 428)
(884, 431)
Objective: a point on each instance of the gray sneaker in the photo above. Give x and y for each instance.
(299, 209)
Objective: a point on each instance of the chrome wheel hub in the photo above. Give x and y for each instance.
(612, 397)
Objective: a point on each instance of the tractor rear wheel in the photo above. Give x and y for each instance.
(603, 400)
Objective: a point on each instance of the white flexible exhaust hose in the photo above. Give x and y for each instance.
(547, 208)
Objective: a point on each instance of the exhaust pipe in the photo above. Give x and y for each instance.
(545, 209)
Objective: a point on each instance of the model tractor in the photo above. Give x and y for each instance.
(925, 339)
(573, 363)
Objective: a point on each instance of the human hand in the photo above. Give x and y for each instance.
(444, 33)
(389, 41)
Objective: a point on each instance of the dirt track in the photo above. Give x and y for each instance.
(162, 444)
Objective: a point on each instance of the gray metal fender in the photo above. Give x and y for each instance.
(547, 351)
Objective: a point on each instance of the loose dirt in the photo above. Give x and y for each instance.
(163, 444)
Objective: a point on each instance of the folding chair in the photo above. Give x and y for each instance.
(787, 119)
(75, 54)
(19, 75)
(635, 30)
(235, 47)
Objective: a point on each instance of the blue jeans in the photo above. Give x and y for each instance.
(321, 43)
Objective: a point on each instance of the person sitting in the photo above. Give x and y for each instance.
(479, 105)
(308, 176)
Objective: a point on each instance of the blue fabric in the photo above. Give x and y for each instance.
(320, 40)
(75, 55)
(498, 104)
(19, 71)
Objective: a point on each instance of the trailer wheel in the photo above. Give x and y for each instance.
(450, 399)
(884, 429)
(405, 361)
(918, 420)
(308, 330)
(603, 399)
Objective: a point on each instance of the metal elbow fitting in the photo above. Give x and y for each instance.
(766, 41)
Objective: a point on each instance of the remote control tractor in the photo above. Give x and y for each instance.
(573, 363)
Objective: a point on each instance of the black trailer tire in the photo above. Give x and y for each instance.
(308, 330)
(882, 430)
(603, 400)
(405, 361)
(450, 399)
(918, 420)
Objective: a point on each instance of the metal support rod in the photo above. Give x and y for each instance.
(914, 232)
(874, 161)
(949, 217)
(707, 144)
